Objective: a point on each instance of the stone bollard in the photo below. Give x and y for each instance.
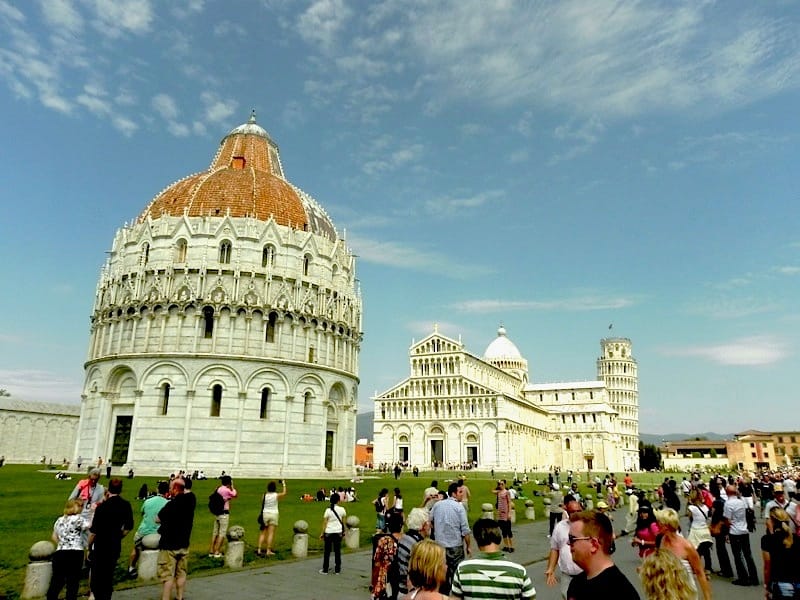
(148, 559)
(487, 511)
(234, 556)
(300, 540)
(352, 534)
(530, 510)
(39, 571)
(512, 513)
(589, 502)
(547, 502)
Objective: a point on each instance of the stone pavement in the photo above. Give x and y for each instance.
(300, 580)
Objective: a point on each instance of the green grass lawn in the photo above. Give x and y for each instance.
(31, 500)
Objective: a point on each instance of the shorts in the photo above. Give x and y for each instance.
(137, 541)
(172, 564)
(270, 518)
(505, 528)
(221, 525)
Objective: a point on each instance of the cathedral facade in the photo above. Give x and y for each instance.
(456, 408)
(226, 328)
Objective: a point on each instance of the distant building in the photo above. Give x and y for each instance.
(364, 453)
(32, 430)
(750, 450)
(456, 408)
(226, 327)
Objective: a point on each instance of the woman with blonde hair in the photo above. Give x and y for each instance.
(669, 523)
(664, 578)
(699, 534)
(68, 533)
(781, 555)
(427, 571)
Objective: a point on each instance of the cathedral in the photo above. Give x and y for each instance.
(226, 328)
(455, 408)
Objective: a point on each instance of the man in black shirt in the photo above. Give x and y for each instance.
(590, 537)
(177, 519)
(112, 521)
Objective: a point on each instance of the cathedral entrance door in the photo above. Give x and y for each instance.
(472, 454)
(329, 450)
(589, 464)
(122, 439)
(437, 451)
(402, 454)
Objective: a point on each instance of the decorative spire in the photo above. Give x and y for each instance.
(252, 116)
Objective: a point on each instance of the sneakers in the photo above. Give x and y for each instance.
(323, 572)
(217, 555)
(132, 573)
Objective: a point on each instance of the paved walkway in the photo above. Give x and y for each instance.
(300, 580)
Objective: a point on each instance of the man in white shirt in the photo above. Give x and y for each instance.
(739, 537)
(560, 551)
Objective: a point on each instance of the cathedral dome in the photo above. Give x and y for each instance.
(245, 179)
(501, 347)
(504, 354)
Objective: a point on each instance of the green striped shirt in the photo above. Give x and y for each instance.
(493, 577)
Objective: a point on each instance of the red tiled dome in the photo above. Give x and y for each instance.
(245, 179)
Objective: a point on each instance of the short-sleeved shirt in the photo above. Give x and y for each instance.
(333, 524)
(227, 493)
(69, 532)
(558, 542)
(491, 576)
(783, 561)
(177, 519)
(610, 583)
(734, 511)
(150, 509)
(112, 517)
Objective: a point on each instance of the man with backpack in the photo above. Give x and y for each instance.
(219, 503)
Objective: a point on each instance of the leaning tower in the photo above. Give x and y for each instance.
(617, 368)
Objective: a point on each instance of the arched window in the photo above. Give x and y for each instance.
(145, 253)
(307, 407)
(264, 404)
(216, 400)
(268, 256)
(568, 444)
(271, 321)
(164, 398)
(208, 318)
(181, 251)
(225, 249)
(306, 264)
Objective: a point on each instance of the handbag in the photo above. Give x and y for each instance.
(721, 527)
(260, 518)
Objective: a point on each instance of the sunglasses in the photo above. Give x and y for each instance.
(571, 539)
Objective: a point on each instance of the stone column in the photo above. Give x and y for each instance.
(487, 511)
(300, 540)
(148, 559)
(352, 536)
(39, 571)
(234, 556)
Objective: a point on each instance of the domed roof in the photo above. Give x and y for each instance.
(245, 179)
(501, 348)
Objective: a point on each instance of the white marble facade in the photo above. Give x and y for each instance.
(30, 431)
(226, 328)
(457, 408)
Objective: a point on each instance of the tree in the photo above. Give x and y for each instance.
(4, 392)
(649, 456)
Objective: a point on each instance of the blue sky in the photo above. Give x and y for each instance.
(555, 167)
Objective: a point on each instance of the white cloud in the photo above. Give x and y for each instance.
(11, 12)
(788, 270)
(217, 110)
(125, 125)
(425, 328)
(41, 386)
(578, 303)
(581, 137)
(403, 256)
(473, 129)
(731, 307)
(94, 104)
(116, 17)
(187, 8)
(228, 28)
(323, 21)
(165, 106)
(519, 156)
(448, 206)
(393, 160)
(746, 351)
(61, 15)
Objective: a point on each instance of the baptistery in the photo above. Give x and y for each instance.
(226, 328)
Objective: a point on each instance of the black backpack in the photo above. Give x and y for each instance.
(216, 503)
